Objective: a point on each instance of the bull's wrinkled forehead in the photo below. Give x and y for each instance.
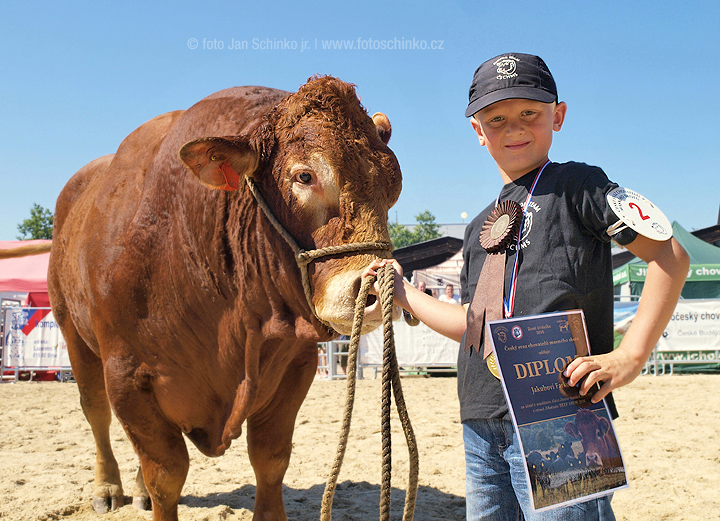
(325, 117)
(324, 109)
(325, 97)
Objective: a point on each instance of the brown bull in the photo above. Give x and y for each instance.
(183, 307)
(600, 447)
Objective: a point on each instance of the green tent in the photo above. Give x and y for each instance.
(703, 280)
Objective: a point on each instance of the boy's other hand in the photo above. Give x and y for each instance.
(610, 371)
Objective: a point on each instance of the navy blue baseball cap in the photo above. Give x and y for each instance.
(509, 76)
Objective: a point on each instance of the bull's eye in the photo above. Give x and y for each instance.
(305, 177)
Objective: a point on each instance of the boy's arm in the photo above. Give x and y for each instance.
(667, 269)
(443, 317)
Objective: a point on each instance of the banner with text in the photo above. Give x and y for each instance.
(32, 339)
(694, 326)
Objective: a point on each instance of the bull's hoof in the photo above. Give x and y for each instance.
(142, 503)
(103, 505)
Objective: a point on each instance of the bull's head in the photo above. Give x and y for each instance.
(593, 431)
(325, 169)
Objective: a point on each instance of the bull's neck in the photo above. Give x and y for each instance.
(264, 264)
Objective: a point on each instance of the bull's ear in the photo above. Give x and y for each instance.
(382, 124)
(604, 425)
(219, 162)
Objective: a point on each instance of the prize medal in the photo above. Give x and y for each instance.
(492, 365)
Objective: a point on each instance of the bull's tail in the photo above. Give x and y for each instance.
(24, 251)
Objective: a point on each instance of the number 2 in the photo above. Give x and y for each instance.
(642, 216)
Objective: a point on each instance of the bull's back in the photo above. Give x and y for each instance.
(93, 211)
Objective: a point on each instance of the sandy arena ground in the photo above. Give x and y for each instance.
(667, 430)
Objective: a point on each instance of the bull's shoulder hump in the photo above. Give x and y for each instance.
(229, 112)
(251, 93)
(149, 133)
(253, 101)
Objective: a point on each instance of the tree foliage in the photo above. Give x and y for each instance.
(39, 226)
(425, 230)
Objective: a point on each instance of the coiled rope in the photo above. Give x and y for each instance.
(390, 380)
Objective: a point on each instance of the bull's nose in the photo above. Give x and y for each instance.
(371, 299)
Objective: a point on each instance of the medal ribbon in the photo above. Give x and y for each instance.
(509, 302)
(487, 302)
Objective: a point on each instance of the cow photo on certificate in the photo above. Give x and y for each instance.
(570, 447)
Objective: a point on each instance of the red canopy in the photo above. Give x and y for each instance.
(24, 274)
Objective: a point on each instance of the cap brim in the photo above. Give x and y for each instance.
(531, 93)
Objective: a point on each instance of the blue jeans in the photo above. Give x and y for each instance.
(495, 484)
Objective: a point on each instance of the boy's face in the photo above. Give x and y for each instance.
(518, 133)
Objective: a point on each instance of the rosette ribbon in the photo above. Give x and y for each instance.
(499, 231)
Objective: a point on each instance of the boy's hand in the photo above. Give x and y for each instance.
(375, 265)
(447, 319)
(610, 371)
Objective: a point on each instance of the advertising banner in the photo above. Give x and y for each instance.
(694, 326)
(638, 272)
(32, 339)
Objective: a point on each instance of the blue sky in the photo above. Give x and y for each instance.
(640, 80)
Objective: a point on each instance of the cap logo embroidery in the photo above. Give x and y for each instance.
(506, 67)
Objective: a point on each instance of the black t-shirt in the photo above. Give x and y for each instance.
(565, 263)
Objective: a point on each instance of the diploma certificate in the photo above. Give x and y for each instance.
(570, 447)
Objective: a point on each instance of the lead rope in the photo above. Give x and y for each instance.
(390, 379)
(391, 372)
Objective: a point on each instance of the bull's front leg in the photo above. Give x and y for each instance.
(269, 436)
(164, 459)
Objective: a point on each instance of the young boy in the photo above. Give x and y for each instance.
(564, 263)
